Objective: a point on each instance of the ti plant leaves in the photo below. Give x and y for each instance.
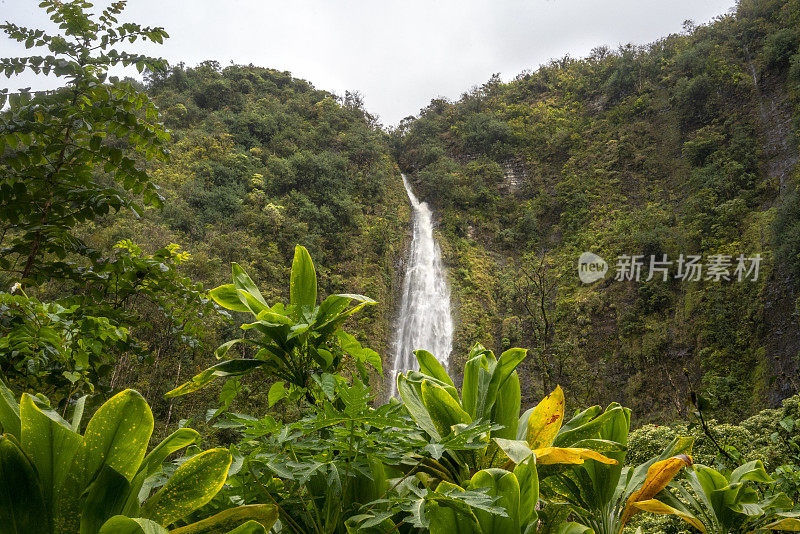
(295, 342)
(54, 480)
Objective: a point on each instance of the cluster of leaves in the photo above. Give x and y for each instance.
(68, 158)
(57, 480)
(298, 343)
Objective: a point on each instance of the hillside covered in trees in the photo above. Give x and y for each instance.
(685, 146)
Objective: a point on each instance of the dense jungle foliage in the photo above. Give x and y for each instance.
(257, 406)
(684, 146)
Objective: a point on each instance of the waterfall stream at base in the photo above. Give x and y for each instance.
(424, 321)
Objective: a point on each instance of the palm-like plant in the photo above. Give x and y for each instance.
(504, 463)
(714, 503)
(600, 496)
(294, 342)
(54, 480)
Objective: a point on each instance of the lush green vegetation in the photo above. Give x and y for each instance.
(684, 146)
(652, 149)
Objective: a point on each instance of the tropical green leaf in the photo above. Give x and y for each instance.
(50, 444)
(125, 525)
(229, 298)
(9, 412)
(152, 463)
(303, 281)
(117, 437)
(105, 498)
(190, 487)
(263, 515)
(22, 505)
(226, 368)
(444, 410)
(429, 365)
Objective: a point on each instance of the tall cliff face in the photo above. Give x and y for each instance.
(685, 146)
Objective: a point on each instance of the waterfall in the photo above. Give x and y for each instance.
(424, 321)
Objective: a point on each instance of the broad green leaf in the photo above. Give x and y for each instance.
(334, 306)
(446, 518)
(243, 282)
(501, 371)
(545, 420)
(226, 368)
(506, 408)
(751, 471)
(223, 349)
(412, 400)
(469, 387)
(190, 487)
(125, 525)
(116, 436)
(9, 412)
(50, 444)
(152, 463)
(444, 410)
(303, 281)
(429, 365)
(229, 298)
(505, 487)
(528, 479)
(263, 515)
(105, 497)
(22, 505)
(276, 392)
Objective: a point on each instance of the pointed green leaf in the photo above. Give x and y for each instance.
(303, 281)
(226, 368)
(193, 485)
(229, 298)
(444, 410)
(152, 463)
(412, 400)
(429, 365)
(105, 498)
(116, 436)
(50, 444)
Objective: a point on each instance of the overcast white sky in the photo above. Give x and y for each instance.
(398, 53)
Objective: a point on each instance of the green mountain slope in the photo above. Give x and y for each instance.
(262, 161)
(685, 146)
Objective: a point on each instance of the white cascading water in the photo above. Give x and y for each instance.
(425, 321)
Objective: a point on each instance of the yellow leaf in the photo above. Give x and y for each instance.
(788, 524)
(545, 420)
(658, 476)
(561, 455)
(657, 507)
